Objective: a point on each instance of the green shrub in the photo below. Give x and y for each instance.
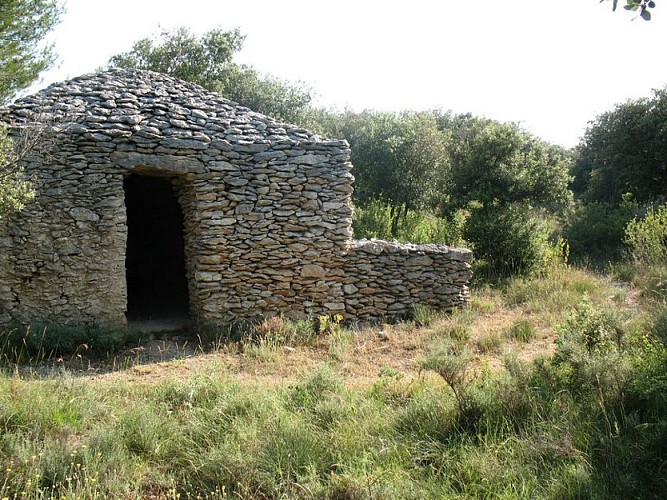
(387, 222)
(647, 237)
(595, 231)
(452, 361)
(489, 342)
(314, 388)
(509, 239)
(592, 327)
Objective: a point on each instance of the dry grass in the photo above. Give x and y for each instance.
(360, 356)
(323, 416)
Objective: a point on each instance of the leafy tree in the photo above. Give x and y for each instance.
(625, 151)
(400, 159)
(23, 24)
(498, 163)
(207, 61)
(500, 173)
(509, 238)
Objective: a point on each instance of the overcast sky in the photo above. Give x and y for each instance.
(550, 65)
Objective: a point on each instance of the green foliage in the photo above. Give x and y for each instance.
(207, 61)
(509, 238)
(647, 238)
(285, 331)
(23, 25)
(400, 159)
(15, 191)
(457, 326)
(423, 315)
(624, 151)
(640, 6)
(522, 330)
(382, 221)
(489, 342)
(498, 163)
(329, 325)
(595, 230)
(452, 361)
(594, 328)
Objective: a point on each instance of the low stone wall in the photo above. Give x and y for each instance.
(385, 279)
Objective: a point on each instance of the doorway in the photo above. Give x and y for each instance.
(157, 287)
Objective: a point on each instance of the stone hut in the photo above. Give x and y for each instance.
(159, 198)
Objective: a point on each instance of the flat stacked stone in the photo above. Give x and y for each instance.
(266, 208)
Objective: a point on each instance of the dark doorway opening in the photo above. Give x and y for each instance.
(157, 288)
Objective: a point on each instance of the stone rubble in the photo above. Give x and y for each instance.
(266, 208)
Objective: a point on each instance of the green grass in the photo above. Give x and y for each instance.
(587, 422)
(521, 330)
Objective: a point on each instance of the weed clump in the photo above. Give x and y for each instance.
(521, 330)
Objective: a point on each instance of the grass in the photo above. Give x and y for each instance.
(521, 330)
(486, 402)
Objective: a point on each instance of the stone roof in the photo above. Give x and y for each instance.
(120, 102)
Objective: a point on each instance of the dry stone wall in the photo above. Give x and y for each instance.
(387, 278)
(266, 211)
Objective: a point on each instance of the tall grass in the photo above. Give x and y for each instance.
(587, 422)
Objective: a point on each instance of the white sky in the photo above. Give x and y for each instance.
(551, 65)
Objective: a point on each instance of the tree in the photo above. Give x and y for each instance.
(625, 151)
(496, 163)
(208, 61)
(501, 174)
(23, 25)
(399, 159)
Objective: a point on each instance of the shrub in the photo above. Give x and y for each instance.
(509, 239)
(489, 342)
(452, 362)
(594, 328)
(387, 222)
(595, 231)
(647, 237)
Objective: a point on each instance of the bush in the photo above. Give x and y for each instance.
(387, 222)
(595, 231)
(509, 239)
(591, 327)
(452, 362)
(647, 237)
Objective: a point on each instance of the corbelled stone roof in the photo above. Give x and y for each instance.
(121, 102)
